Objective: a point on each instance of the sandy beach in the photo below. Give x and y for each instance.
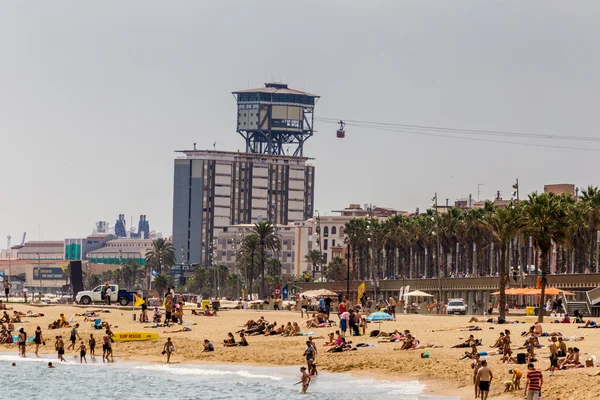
(443, 372)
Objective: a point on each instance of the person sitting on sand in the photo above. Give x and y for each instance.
(5, 317)
(343, 346)
(573, 362)
(230, 341)
(471, 355)
(467, 343)
(409, 341)
(207, 312)
(499, 342)
(63, 323)
(537, 329)
(330, 339)
(243, 342)
(208, 346)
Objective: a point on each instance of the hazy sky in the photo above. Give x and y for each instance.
(95, 96)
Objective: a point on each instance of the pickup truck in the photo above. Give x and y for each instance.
(123, 297)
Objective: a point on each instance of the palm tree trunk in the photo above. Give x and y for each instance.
(251, 275)
(503, 279)
(544, 268)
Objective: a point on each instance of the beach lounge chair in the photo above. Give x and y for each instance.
(97, 324)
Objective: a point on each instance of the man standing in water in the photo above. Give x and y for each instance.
(22, 341)
(60, 347)
(484, 379)
(106, 346)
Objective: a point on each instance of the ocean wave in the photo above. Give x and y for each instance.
(205, 372)
(11, 357)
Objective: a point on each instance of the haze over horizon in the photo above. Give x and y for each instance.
(97, 97)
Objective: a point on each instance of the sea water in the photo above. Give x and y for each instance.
(32, 379)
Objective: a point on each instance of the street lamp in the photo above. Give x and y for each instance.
(348, 249)
(318, 222)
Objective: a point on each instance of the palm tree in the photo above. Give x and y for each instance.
(546, 222)
(313, 257)
(161, 283)
(267, 241)
(131, 272)
(161, 255)
(504, 224)
(336, 270)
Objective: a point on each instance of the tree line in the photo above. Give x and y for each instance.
(480, 242)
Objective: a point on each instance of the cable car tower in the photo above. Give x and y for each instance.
(275, 118)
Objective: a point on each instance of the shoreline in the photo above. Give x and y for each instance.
(435, 387)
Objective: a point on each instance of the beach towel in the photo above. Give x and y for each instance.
(307, 334)
(16, 338)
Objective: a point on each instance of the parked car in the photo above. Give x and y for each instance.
(122, 297)
(456, 306)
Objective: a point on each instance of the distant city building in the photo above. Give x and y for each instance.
(119, 251)
(43, 250)
(295, 244)
(216, 189)
(561, 188)
(120, 229)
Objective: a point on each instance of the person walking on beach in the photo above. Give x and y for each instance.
(392, 306)
(7, 286)
(304, 380)
(74, 337)
(92, 344)
(38, 340)
(168, 349)
(303, 307)
(327, 306)
(82, 351)
(476, 365)
(533, 387)
(484, 380)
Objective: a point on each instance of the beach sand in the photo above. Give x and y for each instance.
(443, 372)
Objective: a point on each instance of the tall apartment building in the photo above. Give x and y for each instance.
(216, 189)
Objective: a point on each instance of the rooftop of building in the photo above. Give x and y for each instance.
(190, 154)
(45, 243)
(276, 87)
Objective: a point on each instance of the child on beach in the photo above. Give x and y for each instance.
(82, 351)
(92, 344)
(304, 380)
(168, 349)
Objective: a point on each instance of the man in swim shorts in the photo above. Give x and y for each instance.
(484, 379)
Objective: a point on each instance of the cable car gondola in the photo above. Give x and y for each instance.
(341, 133)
